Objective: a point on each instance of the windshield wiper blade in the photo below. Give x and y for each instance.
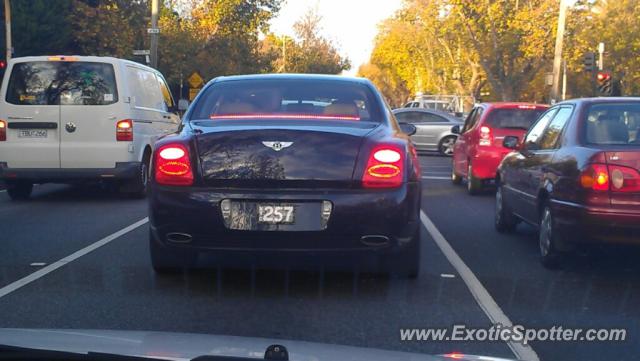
(8, 352)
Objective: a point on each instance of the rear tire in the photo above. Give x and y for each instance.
(19, 190)
(445, 147)
(138, 186)
(474, 185)
(550, 256)
(455, 178)
(167, 261)
(505, 221)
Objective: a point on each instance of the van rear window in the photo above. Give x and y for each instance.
(60, 82)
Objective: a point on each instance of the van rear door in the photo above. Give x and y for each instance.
(30, 108)
(89, 113)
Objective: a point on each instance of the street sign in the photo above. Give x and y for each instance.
(153, 31)
(141, 52)
(193, 92)
(548, 78)
(195, 80)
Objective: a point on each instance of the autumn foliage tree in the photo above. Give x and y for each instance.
(503, 47)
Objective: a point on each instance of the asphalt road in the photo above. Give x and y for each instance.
(53, 275)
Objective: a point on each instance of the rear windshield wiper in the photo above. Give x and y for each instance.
(26, 354)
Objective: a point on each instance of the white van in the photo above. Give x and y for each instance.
(66, 119)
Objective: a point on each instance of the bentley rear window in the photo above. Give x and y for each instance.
(288, 99)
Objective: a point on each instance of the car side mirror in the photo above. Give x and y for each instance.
(183, 105)
(511, 142)
(455, 129)
(408, 128)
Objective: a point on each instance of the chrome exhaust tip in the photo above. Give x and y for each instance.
(374, 240)
(177, 237)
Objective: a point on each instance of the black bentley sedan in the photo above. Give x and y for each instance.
(269, 165)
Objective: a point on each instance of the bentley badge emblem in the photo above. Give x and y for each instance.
(277, 146)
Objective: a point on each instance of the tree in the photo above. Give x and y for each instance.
(312, 53)
(512, 39)
(104, 28)
(39, 28)
(614, 23)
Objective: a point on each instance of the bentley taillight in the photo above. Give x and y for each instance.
(385, 167)
(173, 166)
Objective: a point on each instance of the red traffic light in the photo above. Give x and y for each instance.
(3, 64)
(603, 76)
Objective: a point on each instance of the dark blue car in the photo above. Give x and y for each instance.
(284, 166)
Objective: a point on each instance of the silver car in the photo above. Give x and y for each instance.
(433, 128)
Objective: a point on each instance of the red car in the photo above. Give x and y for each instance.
(479, 150)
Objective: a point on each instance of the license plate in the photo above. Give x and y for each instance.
(32, 133)
(276, 214)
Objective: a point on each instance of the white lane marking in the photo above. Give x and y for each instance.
(441, 178)
(481, 295)
(447, 275)
(37, 264)
(3, 190)
(70, 258)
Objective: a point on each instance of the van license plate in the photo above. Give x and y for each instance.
(276, 214)
(32, 133)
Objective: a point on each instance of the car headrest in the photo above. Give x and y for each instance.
(346, 108)
(235, 108)
(608, 130)
(304, 108)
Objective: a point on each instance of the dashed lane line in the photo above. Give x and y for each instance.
(70, 258)
(481, 295)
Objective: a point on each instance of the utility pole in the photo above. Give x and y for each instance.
(154, 32)
(284, 54)
(564, 79)
(601, 56)
(557, 56)
(7, 28)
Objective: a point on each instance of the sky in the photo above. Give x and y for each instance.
(351, 24)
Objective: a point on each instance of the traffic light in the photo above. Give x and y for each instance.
(603, 79)
(589, 61)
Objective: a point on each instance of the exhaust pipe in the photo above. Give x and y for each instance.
(176, 237)
(374, 240)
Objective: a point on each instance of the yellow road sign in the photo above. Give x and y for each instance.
(195, 80)
(193, 92)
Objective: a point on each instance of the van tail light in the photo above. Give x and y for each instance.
(124, 130)
(614, 178)
(385, 167)
(3, 130)
(485, 136)
(172, 165)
